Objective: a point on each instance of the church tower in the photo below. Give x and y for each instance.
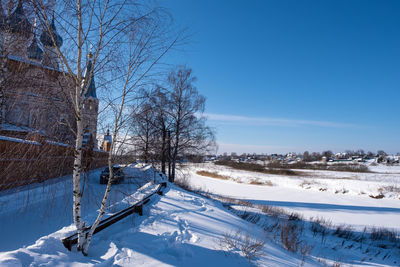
(50, 57)
(35, 53)
(107, 142)
(91, 103)
(18, 32)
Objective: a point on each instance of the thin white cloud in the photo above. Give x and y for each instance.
(273, 121)
(246, 148)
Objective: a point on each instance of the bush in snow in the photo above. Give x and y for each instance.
(250, 247)
(291, 236)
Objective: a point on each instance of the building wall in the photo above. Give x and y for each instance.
(90, 112)
(25, 162)
(38, 99)
(37, 95)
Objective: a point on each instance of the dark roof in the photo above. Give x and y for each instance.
(18, 22)
(45, 37)
(34, 51)
(91, 91)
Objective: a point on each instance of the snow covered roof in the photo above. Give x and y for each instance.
(15, 128)
(56, 143)
(27, 61)
(17, 140)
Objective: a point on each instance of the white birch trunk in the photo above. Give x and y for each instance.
(77, 194)
(103, 202)
(110, 167)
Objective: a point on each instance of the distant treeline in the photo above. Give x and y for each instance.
(344, 167)
(277, 167)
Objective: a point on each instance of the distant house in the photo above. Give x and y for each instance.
(106, 146)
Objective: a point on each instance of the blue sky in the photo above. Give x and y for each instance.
(282, 76)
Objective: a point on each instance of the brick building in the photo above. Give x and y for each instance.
(35, 95)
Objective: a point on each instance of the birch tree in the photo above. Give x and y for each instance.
(128, 41)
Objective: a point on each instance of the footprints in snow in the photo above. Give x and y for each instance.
(195, 201)
(175, 243)
(184, 234)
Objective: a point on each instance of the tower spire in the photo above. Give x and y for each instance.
(19, 31)
(18, 22)
(46, 39)
(34, 51)
(89, 83)
(49, 34)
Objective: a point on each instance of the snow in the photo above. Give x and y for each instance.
(56, 143)
(27, 61)
(18, 140)
(354, 207)
(48, 207)
(178, 229)
(12, 127)
(182, 228)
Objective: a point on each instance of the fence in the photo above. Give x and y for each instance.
(24, 161)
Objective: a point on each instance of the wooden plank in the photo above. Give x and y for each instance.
(136, 208)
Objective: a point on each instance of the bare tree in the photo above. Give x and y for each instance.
(169, 124)
(161, 102)
(128, 40)
(190, 132)
(143, 129)
(151, 123)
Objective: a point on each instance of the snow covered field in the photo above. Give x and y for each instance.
(185, 229)
(341, 197)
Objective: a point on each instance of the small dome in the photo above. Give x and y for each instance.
(45, 37)
(34, 51)
(18, 22)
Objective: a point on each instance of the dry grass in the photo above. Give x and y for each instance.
(258, 182)
(389, 189)
(379, 196)
(384, 234)
(212, 175)
(344, 231)
(290, 236)
(288, 229)
(256, 168)
(343, 191)
(320, 226)
(268, 183)
(271, 210)
(308, 183)
(250, 248)
(183, 182)
(223, 177)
